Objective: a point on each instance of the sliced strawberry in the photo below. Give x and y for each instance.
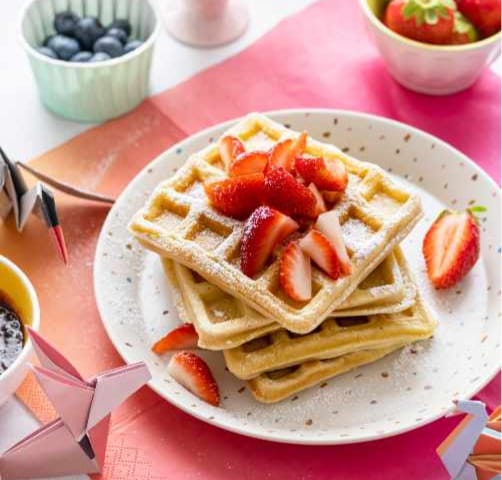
(331, 197)
(181, 337)
(236, 197)
(317, 246)
(190, 371)
(451, 247)
(284, 192)
(264, 229)
(329, 225)
(230, 148)
(320, 204)
(325, 173)
(283, 153)
(248, 162)
(295, 275)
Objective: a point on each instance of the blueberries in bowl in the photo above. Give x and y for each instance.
(87, 31)
(110, 45)
(85, 39)
(64, 47)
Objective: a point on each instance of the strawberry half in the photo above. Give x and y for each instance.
(320, 206)
(284, 192)
(236, 197)
(451, 247)
(295, 275)
(264, 229)
(181, 337)
(283, 153)
(248, 162)
(190, 371)
(329, 225)
(325, 173)
(230, 148)
(317, 246)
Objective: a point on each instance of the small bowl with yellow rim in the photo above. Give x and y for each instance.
(428, 68)
(19, 309)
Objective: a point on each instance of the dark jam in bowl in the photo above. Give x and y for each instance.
(11, 336)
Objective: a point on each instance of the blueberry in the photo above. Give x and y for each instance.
(109, 45)
(47, 52)
(87, 31)
(100, 57)
(65, 23)
(121, 23)
(118, 33)
(83, 56)
(132, 45)
(65, 47)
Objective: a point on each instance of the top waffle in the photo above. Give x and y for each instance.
(177, 222)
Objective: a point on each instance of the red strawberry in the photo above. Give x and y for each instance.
(484, 14)
(429, 22)
(190, 371)
(283, 153)
(230, 148)
(284, 192)
(451, 247)
(463, 31)
(329, 225)
(320, 206)
(295, 274)
(181, 337)
(264, 229)
(325, 173)
(317, 246)
(236, 197)
(248, 162)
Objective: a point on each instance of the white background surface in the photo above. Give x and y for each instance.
(27, 129)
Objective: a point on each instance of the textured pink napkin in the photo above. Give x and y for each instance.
(320, 57)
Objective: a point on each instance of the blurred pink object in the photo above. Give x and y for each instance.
(207, 23)
(75, 442)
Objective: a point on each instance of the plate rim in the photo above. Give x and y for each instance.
(241, 430)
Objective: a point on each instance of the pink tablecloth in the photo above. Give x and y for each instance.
(320, 57)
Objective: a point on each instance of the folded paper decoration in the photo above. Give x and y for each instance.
(75, 442)
(472, 450)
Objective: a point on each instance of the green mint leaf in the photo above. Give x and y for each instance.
(478, 209)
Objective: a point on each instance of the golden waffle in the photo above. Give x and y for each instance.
(224, 322)
(177, 222)
(333, 338)
(276, 386)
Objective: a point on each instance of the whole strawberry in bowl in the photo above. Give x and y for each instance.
(436, 47)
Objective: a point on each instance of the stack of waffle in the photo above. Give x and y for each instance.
(277, 345)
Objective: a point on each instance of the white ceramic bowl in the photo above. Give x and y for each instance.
(91, 92)
(16, 286)
(425, 68)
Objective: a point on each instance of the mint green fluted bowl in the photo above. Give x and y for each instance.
(91, 92)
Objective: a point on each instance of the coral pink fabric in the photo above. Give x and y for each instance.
(320, 57)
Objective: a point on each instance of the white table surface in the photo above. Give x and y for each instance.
(42, 130)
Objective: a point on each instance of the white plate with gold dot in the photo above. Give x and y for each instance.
(401, 392)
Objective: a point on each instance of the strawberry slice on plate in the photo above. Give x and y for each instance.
(295, 274)
(248, 162)
(283, 153)
(264, 229)
(230, 147)
(179, 338)
(236, 197)
(325, 173)
(285, 193)
(329, 225)
(451, 247)
(317, 246)
(190, 371)
(320, 206)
